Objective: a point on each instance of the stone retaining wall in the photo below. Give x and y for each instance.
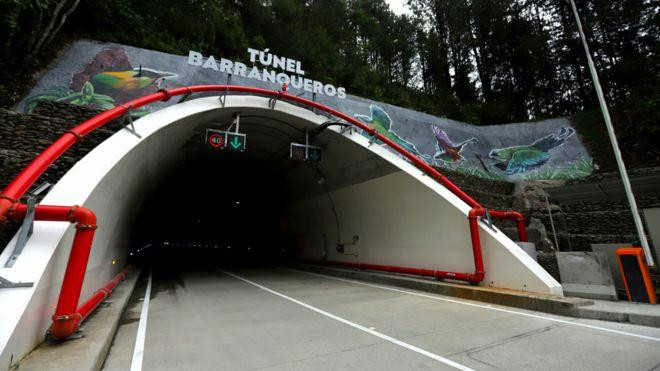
(24, 136)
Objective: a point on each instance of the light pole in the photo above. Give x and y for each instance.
(615, 144)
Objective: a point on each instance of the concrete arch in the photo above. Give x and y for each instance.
(402, 216)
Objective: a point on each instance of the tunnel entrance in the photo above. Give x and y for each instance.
(361, 206)
(235, 211)
(238, 203)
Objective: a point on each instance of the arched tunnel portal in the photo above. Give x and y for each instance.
(166, 190)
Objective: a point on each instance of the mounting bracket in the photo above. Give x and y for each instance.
(488, 220)
(127, 121)
(28, 225)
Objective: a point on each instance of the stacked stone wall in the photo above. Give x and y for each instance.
(24, 136)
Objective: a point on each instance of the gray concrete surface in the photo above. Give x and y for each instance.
(622, 311)
(512, 298)
(586, 274)
(609, 249)
(529, 248)
(89, 352)
(208, 320)
(652, 215)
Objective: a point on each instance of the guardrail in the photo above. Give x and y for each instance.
(67, 316)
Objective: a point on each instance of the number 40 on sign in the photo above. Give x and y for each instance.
(232, 141)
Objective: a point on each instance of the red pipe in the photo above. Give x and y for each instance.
(88, 307)
(476, 277)
(513, 215)
(67, 317)
(26, 178)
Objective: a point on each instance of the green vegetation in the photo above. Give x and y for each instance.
(637, 126)
(477, 61)
(473, 172)
(576, 170)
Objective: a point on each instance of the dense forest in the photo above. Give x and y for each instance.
(479, 61)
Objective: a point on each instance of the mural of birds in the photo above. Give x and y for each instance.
(518, 159)
(447, 151)
(382, 123)
(129, 80)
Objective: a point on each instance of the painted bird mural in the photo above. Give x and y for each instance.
(382, 123)
(137, 78)
(447, 151)
(518, 159)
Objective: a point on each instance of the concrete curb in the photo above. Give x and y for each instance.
(89, 352)
(641, 314)
(606, 313)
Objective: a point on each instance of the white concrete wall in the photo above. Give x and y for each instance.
(407, 219)
(404, 218)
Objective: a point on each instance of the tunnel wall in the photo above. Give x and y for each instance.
(114, 178)
(410, 221)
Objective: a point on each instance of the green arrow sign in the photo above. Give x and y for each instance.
(302, 152)
(236, 141)
(314, 154)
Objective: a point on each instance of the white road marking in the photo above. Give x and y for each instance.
(138, 351)
(488, 306)
(355, 325)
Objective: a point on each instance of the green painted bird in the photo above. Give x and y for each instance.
(518, 159)
(382, 123)
(129, 80)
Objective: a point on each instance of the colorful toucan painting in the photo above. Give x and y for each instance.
(137, 78)
(105, 81)
(519, 159)
(446, 150)
(380, 121)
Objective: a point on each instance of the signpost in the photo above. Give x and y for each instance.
(615, 144)
(305, 152)
(228, 140)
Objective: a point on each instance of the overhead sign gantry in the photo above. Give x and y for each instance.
(227, 139)
(305, 151)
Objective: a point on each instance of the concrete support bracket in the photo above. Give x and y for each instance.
(7, 284)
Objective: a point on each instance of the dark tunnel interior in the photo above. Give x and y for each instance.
(215, 207)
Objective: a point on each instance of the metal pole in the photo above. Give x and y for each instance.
(552, 223)
(615, 145)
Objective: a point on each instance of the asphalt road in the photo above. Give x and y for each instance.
(242, 318)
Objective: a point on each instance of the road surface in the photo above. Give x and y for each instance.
(272, 318)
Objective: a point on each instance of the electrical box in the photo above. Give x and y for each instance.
(635, 274)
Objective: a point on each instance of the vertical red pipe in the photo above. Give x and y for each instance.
(66, 318)
(479, 271)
